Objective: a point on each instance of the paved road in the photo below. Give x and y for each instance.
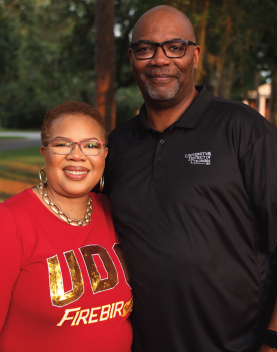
(33, 140)
(29, 135)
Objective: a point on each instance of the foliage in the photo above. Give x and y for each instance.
(54, 61)
(128, 101)
(47, 51)
(235, 41)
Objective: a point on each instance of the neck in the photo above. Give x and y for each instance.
(161, 115)
(75, 207)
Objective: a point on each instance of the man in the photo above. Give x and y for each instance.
(192, 185)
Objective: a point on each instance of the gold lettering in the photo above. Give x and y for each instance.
(112, 308)
(105, 312)
(118, 307)
(92, 315)
(65, 317)
(76, 316)
(97, 284)
(128, 307)
(120, 256)
(108, 311)
(58, 297)
(83, 317)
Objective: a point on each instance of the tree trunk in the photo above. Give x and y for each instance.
(105, 62)
(202, 38)
(226, 79)
(221, 65)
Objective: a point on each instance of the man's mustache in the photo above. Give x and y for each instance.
(155, 72)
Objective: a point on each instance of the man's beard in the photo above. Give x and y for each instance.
(162, 93)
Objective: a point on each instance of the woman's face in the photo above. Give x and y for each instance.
(75, 174)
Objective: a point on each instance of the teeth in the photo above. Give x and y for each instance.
(76, 172)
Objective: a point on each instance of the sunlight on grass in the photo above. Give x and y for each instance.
(19, 170)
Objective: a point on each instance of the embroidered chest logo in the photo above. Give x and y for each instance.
(202, 158)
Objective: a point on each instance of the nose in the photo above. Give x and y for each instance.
(76, 153)
(160, 59)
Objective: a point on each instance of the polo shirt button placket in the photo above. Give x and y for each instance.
(159, 157)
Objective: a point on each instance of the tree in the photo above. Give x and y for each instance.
(105, 62)
(9, 45)
(51, 53)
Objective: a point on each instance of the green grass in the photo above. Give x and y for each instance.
(29, 156)
(7, 137)
(18, 170)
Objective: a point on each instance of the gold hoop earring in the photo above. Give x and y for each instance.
(101, 183)
(40, 176)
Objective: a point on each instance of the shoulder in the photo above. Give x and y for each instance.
(18, 213)
(18, 202)
(15, 219)
(102, 201)
(126, 129)
(101, 204)
(240, 113)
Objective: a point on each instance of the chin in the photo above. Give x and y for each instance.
(162, 95)
(77, 190)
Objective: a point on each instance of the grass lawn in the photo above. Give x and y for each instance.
(6, 137)
(19, 170)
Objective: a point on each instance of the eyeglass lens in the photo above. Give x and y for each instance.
(171, 48)
(64, 147)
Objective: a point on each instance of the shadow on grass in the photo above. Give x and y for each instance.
(17, 173)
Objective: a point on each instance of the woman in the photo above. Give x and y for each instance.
(64, 286)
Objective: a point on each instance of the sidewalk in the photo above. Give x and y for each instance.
(33, 140)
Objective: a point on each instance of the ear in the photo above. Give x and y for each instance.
(106, 152)
(43, 151)
(197, 51)
(130, 57)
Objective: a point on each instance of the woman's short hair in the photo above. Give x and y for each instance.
(70, 108)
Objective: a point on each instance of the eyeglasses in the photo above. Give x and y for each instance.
(65, 146)
(145, 50)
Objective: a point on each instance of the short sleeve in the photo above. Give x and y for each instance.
(260, 177)
(10, 259)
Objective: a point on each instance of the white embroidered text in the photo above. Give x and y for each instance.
(203, 158)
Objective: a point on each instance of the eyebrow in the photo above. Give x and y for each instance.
(86, 139)
(150, 41)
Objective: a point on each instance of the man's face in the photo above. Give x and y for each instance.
(163, 79)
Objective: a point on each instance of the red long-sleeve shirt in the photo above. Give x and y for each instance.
(63, 288)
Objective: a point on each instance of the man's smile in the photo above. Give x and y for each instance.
(161, 78)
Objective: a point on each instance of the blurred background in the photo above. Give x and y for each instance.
(53, 51)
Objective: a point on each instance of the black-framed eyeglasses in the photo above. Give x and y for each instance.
(145, 50)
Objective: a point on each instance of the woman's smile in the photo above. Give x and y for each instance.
(76, 173)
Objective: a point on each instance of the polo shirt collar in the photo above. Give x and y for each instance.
(189, 119)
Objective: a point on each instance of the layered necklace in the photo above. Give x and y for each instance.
(65, 217)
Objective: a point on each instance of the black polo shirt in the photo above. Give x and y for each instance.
(195, 208)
